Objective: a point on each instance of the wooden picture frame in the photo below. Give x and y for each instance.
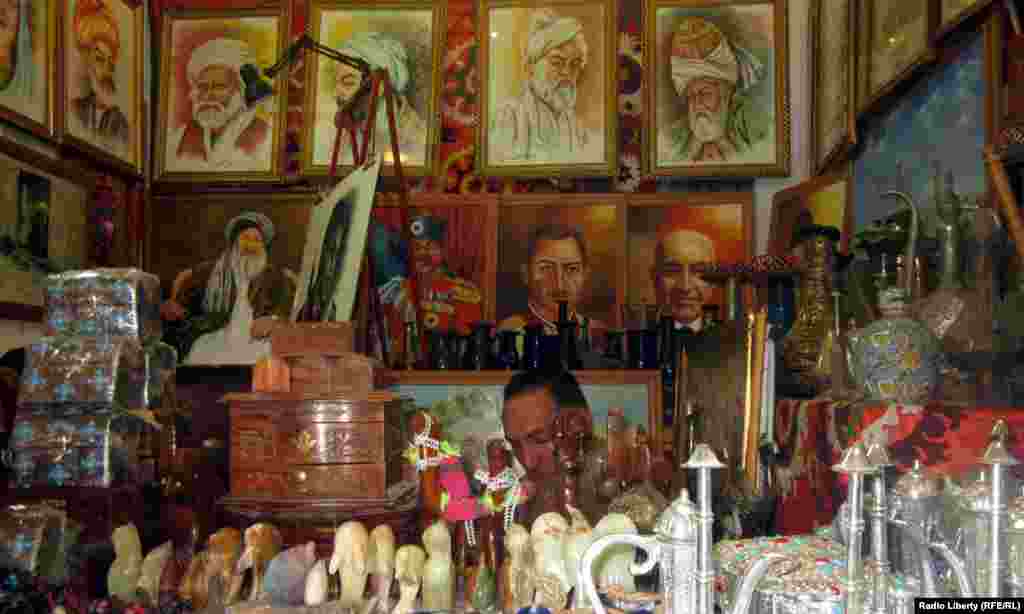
(387, 34)
(954, 13)
(27, 96)
(683, 229)
(104, 46)
(229, 50)
(809, 203)
(890, 53)
(67, 237)
(589, 250)
(692, 44)
(514, 136)
(603, 389)
(833, 78)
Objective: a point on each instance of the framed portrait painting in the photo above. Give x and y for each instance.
(952, 13)
(403, 37)
(548, 88)
(896, 43)
(219, 119)
(452, 252)
(667, 234)
(28, 38)
(718, 97)
(564, 247)
(834, 115)
(102, 80)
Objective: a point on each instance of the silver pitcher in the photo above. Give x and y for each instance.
(682, 547)
(1015, 546)
(917, 501)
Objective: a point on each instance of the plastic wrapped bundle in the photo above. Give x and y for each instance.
(103, 303)
(97, 374)
(98, 450)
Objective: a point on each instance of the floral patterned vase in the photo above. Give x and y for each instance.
(895, 358)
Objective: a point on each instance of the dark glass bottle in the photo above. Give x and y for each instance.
(480, 354)
(568, 352)
(440, 357)
(508, 356)
(411, 350)
(667, 361)
(614, 352)
(531, 347)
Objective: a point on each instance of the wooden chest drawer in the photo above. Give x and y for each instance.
(352, 481)
(332, 442)
(256, 483)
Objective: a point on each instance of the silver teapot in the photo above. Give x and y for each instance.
(1015, 546)
(681, 546)
(917, 501)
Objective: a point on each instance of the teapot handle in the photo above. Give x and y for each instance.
(585, 573)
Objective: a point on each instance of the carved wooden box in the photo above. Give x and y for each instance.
(286, 445)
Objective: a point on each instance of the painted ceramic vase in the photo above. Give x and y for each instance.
(895, 358)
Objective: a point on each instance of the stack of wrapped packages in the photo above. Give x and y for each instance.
(87, 398)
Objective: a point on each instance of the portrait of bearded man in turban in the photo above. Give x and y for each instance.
(22, 80)
(98, 111)
(224, 131)
(381, 51)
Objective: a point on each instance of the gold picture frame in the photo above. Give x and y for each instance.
(892, 46)
(386, 34)
(953, 13)
(833, 78)
(752, 140)
(254, 39)
(114, 137)
(514, 136)
(27, 98)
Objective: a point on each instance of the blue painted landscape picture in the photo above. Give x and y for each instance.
(938, 124)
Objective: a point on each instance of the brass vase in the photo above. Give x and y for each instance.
(816, 245)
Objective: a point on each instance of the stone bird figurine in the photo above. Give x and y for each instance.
(350, 557)
(123, 577)
(263, 542)
(409, 563)
(382, 564)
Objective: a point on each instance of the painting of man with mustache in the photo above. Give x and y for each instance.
(98, 37)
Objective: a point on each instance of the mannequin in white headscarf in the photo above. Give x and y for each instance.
(224, 133)
(16, 61)
(542, 125)
(380, 51)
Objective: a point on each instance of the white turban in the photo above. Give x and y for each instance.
(228, 52)
(381, 52)
(721, 64)
(547, 31)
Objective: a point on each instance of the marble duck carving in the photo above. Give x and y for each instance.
(285, 579)
(350, 557)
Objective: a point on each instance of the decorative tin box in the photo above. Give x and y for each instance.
(102, 373)
(103, 303)
(94, 449)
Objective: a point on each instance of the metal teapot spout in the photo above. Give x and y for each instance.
(744, 597)
(910, 250)
(585, 581)
(959, 568)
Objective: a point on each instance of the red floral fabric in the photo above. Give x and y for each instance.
(947, 439)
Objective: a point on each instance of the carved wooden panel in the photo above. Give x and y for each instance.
(350, 481)
(252, 441)
(333, 442)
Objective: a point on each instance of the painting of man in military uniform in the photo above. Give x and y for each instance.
(447, 300)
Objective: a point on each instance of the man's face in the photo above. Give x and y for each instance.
(100, 63)
(707, 106)
(555, 76)
(679, 289)
(216, 96)
(556, 273)
(349, 80)
(427, 256)
(529, 421)
(10, 18)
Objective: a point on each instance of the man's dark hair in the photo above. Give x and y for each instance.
(562, 386)
(555, 232)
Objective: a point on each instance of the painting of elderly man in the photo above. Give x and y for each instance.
(719, 89)
(24, 27)
(548, 89)
(103, 88)
(405, 42)
(218, 114)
